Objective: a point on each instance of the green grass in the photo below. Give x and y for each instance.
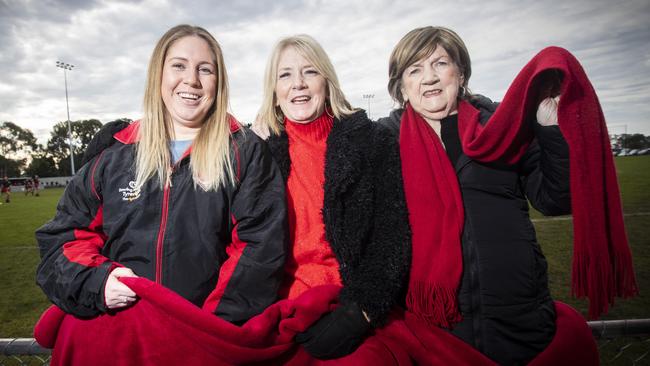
(22, 301)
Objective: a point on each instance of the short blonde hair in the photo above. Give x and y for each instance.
(270, 114)
(210, 161)
(420, 43)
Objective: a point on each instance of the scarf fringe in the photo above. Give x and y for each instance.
(625, 279)
(435, 305)
(601, 281)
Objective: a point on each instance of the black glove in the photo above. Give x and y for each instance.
(336, 334)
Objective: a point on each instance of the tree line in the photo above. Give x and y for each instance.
(21, 154)
(631, 141)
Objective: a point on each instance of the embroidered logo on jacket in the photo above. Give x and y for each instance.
(130, 193)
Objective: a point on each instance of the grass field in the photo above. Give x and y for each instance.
(21, 301)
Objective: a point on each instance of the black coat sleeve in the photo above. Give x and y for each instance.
(72, 272)
(545, 172)
(259, 215)
(378, 281)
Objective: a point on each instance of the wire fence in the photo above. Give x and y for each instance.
(23, 351)
(620, 342)
(623, 342)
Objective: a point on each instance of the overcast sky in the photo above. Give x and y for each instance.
(110, 42)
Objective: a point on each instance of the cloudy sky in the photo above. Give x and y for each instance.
(110, 42)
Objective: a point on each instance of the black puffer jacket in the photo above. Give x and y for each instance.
(364, 211)
(176, 236)
(507, 310)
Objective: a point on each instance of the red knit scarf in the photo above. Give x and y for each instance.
(602, 263)
(436, 216)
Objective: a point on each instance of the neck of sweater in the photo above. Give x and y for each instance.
(316, 130)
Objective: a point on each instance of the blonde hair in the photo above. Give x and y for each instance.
(210, 161)
(270, 114)
(420, 43)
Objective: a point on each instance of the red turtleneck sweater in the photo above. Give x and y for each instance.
(311, 261)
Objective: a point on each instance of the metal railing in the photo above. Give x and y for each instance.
(23, 351)
(620, 342)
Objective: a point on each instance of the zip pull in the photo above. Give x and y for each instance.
(169, 177)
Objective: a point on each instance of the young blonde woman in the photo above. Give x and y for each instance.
(172, 198)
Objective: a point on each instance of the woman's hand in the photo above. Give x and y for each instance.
(260, 129)
(116, 294)
(336, 334)
(547, 111)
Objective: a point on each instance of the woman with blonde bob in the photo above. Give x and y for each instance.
(173, 198)
(347, 216)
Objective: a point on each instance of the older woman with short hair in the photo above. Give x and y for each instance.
(482, 274)
(347, 215)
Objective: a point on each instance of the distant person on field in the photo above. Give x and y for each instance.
(36, 185)
(29, 187)
(6, 188)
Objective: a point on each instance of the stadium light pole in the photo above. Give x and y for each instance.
(65, 68)
(368, 96)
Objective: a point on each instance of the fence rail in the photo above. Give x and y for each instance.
(628, 342)
(620, 328)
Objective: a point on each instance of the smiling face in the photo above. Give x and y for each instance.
(189, 82)
(301, 91)
(431, 85)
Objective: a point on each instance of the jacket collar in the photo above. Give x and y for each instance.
(130, 135)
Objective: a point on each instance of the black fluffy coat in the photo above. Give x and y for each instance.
(364, 211)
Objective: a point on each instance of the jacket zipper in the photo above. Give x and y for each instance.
(476, 306)
(163, 226)
(474, 288)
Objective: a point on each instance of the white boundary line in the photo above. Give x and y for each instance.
(568, 218)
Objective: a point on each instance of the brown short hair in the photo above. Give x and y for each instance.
(420, 43)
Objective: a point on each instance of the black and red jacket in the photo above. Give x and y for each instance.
(223, 250)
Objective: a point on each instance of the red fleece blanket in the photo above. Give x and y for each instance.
(163, 328)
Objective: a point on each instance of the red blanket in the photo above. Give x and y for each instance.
(163, 328)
